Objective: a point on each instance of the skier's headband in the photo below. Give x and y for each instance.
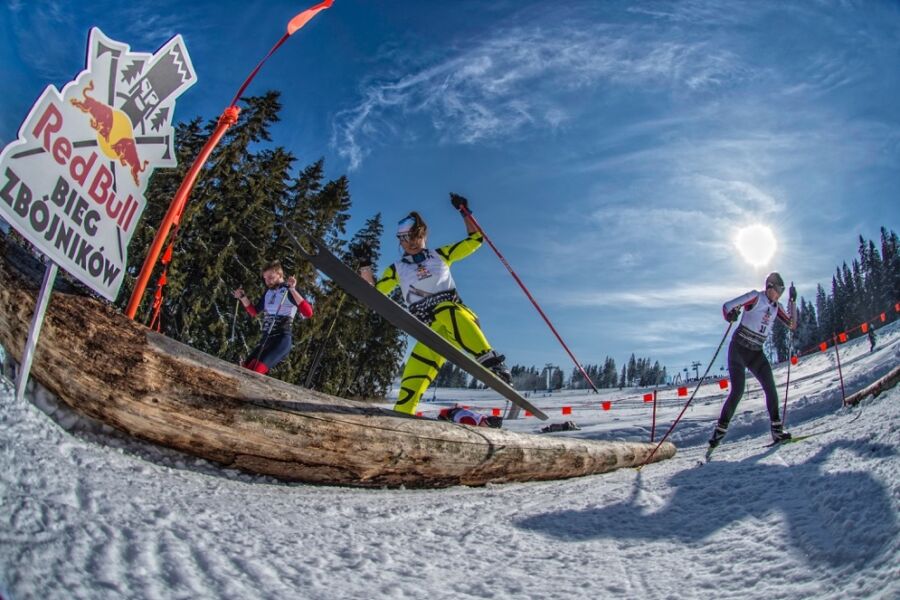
(406, 224)
(410, 227)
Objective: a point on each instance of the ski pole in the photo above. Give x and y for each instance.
(467, 213)
(365, 253)
(237, 304)
(691, 399)
(837, 355)
(321, 351)
(788, 383)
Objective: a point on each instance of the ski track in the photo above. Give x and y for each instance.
(89, 513)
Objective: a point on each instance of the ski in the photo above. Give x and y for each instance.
(325, 261)
(793, 440)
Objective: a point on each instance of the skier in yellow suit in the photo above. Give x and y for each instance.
(430, 294)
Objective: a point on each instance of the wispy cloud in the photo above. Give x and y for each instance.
(692, 293)
(519, 80)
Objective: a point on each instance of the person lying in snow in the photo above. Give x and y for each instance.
(464, 416)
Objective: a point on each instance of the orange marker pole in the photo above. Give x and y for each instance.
(228, 118)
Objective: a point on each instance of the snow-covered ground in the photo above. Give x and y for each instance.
(89, 513)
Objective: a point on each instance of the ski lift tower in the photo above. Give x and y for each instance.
(549, 369)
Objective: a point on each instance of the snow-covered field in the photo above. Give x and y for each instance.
(89, 513)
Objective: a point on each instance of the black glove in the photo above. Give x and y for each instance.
(459, 203)
(792, 293)
(363, 255)
(733, 315)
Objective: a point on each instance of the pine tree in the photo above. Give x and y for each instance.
(610, 373)
(890, 256)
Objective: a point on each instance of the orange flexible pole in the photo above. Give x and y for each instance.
(173, 215)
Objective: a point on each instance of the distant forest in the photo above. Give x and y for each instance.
(859, 293)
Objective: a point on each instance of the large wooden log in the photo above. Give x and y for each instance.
(112, 369)
(875, 388)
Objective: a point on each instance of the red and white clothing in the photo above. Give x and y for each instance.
(758, 317)
(463, 416)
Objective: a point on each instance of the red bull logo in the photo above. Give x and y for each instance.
(101, 114)
(73, 181)
(126, 151)
(114, 132)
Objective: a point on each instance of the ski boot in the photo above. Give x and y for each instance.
(494, 422)
(779, 435)
(715, 440)
(493, 362)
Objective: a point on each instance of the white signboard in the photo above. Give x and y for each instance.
(73, 182)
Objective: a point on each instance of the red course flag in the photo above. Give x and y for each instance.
(897, 307)
(842, 337)
(865, 327)
(495, 412)
(823, 346)
(648, 397)
(723, 383)
(682, 391)
(794, 360)
(607, 405)
(303, 18)
(528, 413)
(883, 318)
(567, 410)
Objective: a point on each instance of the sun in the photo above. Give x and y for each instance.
(756, 244)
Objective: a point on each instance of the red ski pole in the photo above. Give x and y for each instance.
(467, 213)
(688, 403)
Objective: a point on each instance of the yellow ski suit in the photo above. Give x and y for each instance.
(430, 294)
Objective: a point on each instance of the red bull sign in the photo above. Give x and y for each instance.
(73, 182)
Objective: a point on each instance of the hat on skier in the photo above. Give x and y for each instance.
(774, 280)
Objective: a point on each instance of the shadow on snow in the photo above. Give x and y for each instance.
(836, 518)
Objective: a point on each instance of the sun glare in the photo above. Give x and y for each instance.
(756, 244)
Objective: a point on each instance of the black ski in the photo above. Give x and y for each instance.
(322, 258)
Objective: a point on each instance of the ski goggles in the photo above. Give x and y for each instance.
(778, 288)
(405, 228)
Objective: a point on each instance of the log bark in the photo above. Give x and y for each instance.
(875, 388)
(114, 370)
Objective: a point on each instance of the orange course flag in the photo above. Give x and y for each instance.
(303, 18)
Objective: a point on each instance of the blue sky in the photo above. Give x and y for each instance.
(611, 150)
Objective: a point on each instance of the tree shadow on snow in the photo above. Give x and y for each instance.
(839, 519)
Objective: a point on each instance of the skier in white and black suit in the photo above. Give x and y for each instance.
(746, 350)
